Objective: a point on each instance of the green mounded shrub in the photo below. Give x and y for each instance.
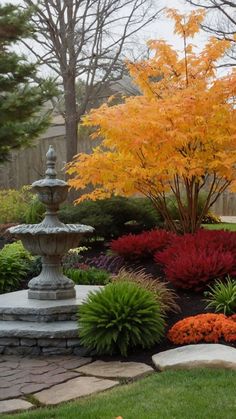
(14, 204)
(222, 296)
(120, 317)
(15, 262)
(112, 217)
(87, 275)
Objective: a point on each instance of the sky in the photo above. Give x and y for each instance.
(162, 28)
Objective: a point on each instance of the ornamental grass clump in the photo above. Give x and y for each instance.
(209, 327)
(164, 295)
(222, 296)
(119, 318)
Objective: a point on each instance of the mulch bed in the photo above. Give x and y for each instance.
(191, 303)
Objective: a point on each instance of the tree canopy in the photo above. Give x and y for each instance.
(178, 136)
(22, 92)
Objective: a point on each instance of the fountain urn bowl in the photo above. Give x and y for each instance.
(51, 239)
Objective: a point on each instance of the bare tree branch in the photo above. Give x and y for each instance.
(86, 39)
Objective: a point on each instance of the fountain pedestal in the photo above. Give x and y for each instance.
(50, 239)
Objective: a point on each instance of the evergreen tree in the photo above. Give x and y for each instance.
(22, 93)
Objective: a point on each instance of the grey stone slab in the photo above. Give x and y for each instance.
(115, 369)
(58, 343)
(196, 356)
(68, 329)
(22, 350)
(28, 342)
(18, 304)
(73, 389)
(9, 341)
(56, 351)
(14, 405)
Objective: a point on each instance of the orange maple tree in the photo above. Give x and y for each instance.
(178, 136)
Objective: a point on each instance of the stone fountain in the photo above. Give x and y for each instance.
(43, 319)
(50, 239)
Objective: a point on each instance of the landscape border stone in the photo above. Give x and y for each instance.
(211, 355)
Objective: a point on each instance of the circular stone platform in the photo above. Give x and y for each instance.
(16, 306)
(34, 327)
(196, 356)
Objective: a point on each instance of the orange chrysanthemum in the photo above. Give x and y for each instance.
(208, 328)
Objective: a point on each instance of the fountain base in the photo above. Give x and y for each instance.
(41, 327)
(62, 294)
(51, 284)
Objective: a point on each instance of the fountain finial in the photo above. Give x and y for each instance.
(50, 163)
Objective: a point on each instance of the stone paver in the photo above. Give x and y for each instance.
(115, 369)
(19, 376)
(73, 389)
(14, 405)
(191, 356)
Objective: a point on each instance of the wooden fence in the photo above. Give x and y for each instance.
(226, 204)
(28, 165)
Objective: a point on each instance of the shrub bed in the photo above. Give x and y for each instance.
(141, 245)
(112, 217)
(194, 260)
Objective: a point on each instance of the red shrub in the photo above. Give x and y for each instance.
(207, 327)
(193, 260)
(141, 245)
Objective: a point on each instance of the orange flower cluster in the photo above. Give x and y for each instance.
(204, 328)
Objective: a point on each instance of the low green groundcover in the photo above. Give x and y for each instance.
(196, 394)
(221, 226)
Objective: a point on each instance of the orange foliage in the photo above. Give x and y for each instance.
(203, 328)
(177, 136)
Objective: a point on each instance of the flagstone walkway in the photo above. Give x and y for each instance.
(55, 379)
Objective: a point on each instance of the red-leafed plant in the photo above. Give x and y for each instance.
(194, 260)
(207, 327)
(141, 245)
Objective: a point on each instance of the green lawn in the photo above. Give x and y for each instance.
(194, 394)
(221, 226)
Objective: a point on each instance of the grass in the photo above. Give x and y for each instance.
(183, 394)
(221, 226)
